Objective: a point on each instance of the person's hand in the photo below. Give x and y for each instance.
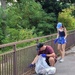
(31, 65)
(55, 41)
(64, 37)
(43, 55)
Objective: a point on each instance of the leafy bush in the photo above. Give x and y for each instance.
(14, 35)
(67, 18)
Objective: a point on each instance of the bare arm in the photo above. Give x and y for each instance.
(65, 33)
(51, 55)
(57, 33)
(35, 59)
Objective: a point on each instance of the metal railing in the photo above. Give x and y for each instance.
(16, 62)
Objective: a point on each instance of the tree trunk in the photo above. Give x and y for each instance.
(3, 25)
(3, 4)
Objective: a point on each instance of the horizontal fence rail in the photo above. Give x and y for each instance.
(16, 61)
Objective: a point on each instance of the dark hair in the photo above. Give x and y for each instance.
(63, 26)
(39, 45)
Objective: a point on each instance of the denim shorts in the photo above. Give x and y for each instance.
(61, 40)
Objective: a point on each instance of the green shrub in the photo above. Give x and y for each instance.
(67, 19)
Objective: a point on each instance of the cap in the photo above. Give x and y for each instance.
(59, 25)
(39, 46)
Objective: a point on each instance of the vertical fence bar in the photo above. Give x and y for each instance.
(37, 41)
(0, 66)
(14, 61)
(11, 62)
(74, 37)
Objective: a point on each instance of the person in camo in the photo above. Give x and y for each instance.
(47, 52)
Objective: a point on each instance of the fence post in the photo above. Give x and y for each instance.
(37, 41)
(14, 61)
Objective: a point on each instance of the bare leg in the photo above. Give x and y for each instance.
(59, 49)
(63, 50)
(51, 61)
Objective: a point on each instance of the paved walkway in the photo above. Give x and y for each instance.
(68, 66)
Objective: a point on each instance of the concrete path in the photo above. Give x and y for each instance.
(68, 66)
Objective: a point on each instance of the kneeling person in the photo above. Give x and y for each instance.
(47, 52)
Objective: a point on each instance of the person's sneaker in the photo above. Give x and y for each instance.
(61, 60)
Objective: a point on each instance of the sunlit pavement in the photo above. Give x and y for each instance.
(68, 66)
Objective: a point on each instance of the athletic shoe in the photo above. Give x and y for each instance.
(61, 60)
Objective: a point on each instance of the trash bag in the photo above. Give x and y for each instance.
(41, 67)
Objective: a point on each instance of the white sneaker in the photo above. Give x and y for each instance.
(61, 60)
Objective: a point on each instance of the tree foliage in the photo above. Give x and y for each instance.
(67, 18)
(37, 17)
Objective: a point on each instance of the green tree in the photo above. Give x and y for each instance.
(67, 18)
(2, 25)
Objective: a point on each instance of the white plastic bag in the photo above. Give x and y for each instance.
(41, 67)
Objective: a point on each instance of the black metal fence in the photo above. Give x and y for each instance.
(16, 61)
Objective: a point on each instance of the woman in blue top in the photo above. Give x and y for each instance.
(61, 36)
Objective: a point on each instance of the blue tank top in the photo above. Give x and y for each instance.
(61, 33)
